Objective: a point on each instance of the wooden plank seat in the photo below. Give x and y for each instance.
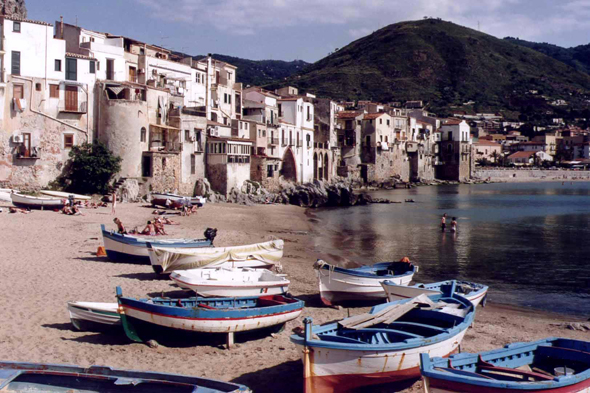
(415, 327)
(486, 366)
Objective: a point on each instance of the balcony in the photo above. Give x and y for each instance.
(273, 141)
(299, 143)
(165, 147)
(284, 142)
(198, 147)
(73, 107)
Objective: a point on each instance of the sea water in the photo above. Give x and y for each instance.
(530, 242)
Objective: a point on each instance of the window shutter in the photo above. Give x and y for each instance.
(15, 63)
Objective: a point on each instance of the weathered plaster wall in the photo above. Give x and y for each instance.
(165, 174)
(120, 127)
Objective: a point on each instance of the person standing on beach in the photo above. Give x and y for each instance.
(443, 222)
(114, 198)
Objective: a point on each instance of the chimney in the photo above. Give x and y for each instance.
(61, 28)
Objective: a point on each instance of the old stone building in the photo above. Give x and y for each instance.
(455, 151)
(46, 101)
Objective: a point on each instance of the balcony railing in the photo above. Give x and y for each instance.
(299, 143)
(80, 107)
(158, 146)
(284, 142)
(198, 147)
(273, 141)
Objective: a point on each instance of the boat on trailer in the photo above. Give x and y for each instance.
(35, 202)
(338, 284)
(260, 255)
(144, 319)
(552, 365)
(60, 378)
(383, 346)
(475, 293)
(175, 200)
(94, 315)
(229, 282)
(134, 249)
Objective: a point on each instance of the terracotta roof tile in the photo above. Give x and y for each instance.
(522, 154)
(17, 19)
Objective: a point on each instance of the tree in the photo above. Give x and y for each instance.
(91, 167)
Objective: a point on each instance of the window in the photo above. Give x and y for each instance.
(110, 69)
(68, 141)
(92, 67)
(143, 135)
(38, 86)
(71, 69)
(193, 164)
(58, 65)
(18, 91)
(16, 27)
(15, 69)
(380, 121)
(53, 91)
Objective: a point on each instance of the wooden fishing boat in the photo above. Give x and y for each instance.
(338, 284)
(552, 365)
(5, 194)
(141, 318)
(33, 202)
(174, 200)
(229, 282)
(60, 378)
(93, 315)
(384, 345)
(475, 293)
(65, 195)
(133, 249)
(260, 255)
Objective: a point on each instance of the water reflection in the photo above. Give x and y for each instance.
(527, 241)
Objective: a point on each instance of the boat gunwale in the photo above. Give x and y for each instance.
(389, 347)
(428, 365)
(142, 242)
(358, 272)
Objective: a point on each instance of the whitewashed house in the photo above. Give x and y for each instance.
(46, 96)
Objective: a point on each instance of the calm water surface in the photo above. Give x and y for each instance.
(529, 242)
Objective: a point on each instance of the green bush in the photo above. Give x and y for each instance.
(91, 168)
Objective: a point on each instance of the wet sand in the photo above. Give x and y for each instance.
(48, 258)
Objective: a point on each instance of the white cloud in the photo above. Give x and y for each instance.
(528, 19)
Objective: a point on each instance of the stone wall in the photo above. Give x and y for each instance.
(13, 8)
(165, 172)
(530, 174)
(217, 176)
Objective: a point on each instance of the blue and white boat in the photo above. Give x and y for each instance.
(338, 284)
(475, 293)
(133, 249)
(143, 318)
(61, 378)
(551, 365)
(384, 345)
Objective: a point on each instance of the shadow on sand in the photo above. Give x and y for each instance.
(285, 378)
(144, 276)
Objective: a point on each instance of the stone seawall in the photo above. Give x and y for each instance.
(506, 175)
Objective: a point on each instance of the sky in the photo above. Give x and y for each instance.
(308, 29)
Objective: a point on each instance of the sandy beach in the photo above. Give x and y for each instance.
(48, 258)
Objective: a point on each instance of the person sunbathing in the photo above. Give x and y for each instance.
(149, 230)
(167, 221)
(67, 210)
(159, 225)
(120, 228)
(18, 210)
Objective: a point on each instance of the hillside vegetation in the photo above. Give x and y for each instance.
(446, 65)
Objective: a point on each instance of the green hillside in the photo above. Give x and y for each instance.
(577, 57)
(446, 65)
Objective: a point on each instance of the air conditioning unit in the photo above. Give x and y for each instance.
(17, 138)
(192, 139)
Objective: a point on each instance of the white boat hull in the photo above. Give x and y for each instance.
(65, 195)
(98, 313)
(36, 202)
(230, 282)
(405, 292)
(5, 194)
(212, 325)
(336, 287)
(127, 249)
(331, 369)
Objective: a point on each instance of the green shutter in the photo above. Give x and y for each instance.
(15, 63)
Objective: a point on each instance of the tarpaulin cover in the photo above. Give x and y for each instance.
(192, 258)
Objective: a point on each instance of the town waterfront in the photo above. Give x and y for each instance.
(527, 241)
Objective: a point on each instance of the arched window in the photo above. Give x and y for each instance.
(143, 134)
(308, 140)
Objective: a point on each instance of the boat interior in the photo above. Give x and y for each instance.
(416, 324)
(223, 303)
(542, 364)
